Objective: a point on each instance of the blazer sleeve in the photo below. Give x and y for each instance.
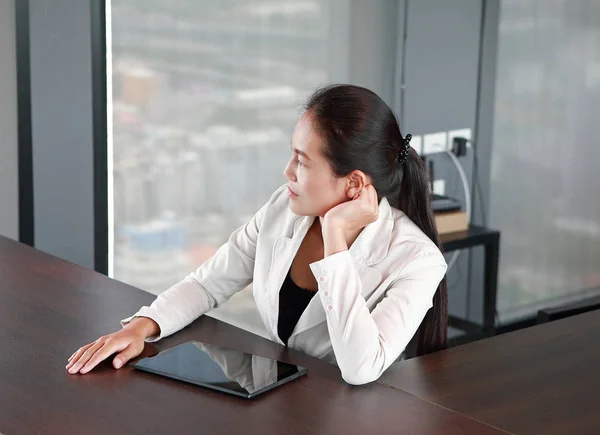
(366, 343)
(228, 271)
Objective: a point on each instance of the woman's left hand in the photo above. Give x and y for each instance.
(352, 216)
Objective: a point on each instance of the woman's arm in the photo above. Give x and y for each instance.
(228, 271)
(366, 343)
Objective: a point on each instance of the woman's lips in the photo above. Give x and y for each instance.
(291, 192)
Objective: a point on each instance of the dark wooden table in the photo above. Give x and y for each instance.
(540, 380)
(50, 307)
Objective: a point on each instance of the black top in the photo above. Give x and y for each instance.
(293, 300)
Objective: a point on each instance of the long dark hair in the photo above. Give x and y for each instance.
(361, 132)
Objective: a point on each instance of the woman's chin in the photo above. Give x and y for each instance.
(295, 208)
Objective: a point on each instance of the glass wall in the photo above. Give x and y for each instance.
(205, 96)
(546, 137)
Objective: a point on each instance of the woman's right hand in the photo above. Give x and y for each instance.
(129, 342)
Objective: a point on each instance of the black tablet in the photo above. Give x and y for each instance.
(219, 368)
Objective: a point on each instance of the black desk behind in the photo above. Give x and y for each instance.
(490, 239)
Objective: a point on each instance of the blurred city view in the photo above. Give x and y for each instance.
(205, 98)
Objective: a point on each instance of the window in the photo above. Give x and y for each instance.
(545, 137)
(205, 96)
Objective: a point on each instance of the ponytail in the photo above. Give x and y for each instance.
(415, 202)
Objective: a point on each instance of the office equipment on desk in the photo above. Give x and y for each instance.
(441, 203)
(451, 222)
(227, 370)
(448, 215)
(490, 239)
(538, 380)
(49, 308)
(447, 211)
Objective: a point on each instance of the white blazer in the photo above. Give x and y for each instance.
(371, 298)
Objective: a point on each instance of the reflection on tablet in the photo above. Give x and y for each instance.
(223, 369)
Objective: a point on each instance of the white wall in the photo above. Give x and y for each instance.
(9, 199)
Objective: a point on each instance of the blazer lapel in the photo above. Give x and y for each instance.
(284, 251)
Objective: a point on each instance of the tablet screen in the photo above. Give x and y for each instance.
(219, 368)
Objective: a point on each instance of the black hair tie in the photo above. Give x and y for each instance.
(402, 155)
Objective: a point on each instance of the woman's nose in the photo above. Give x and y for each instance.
(288, 173)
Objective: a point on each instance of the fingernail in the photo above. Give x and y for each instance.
(118, 363)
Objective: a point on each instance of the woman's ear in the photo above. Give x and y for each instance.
(357, 180)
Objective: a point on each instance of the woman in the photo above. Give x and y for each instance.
(344, 258)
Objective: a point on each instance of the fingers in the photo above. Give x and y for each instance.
(368, 194)
(129, 353)
(110, 347)
(75, 357)
(90, 355)
(77, 363)
(372, 193)
(371, 198)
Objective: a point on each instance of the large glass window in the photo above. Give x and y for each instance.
(204, 98)
(546, 138)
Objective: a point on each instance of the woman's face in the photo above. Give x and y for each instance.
(313, 188)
